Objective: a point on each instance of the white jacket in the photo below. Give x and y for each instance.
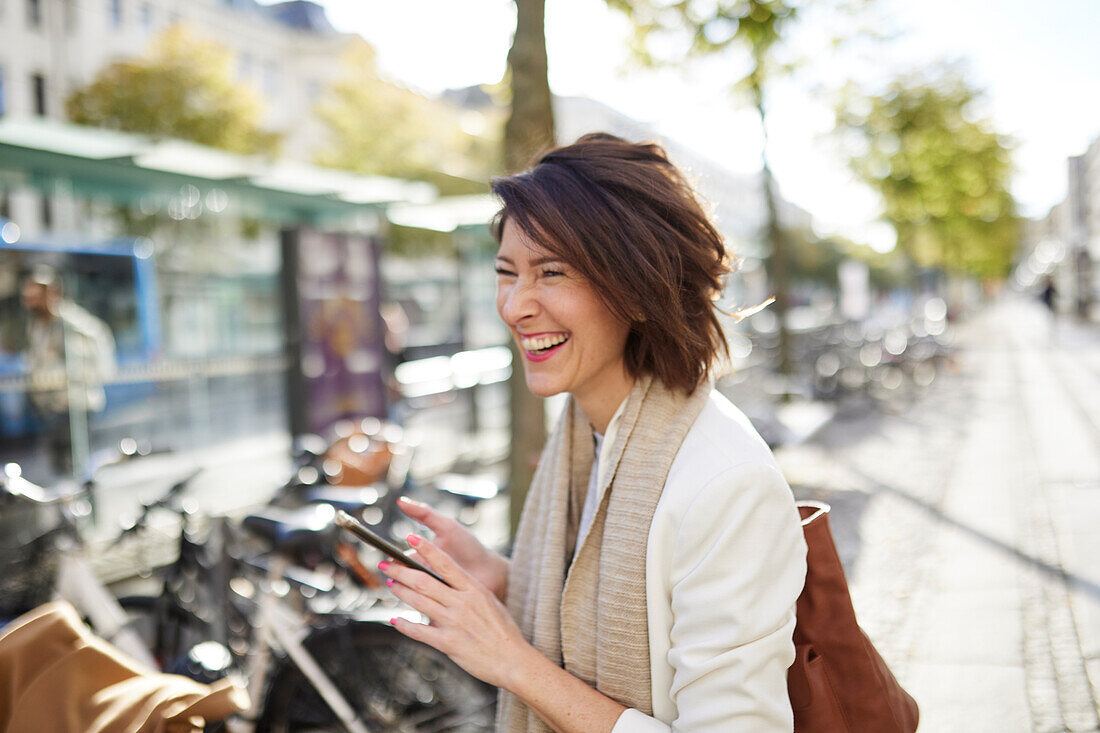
(725, 564)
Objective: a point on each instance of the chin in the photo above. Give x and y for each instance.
(542, 387)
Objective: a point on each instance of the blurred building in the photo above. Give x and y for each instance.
(1065, 243)
(51, 48)
(184, 253)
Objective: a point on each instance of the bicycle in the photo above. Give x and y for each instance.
(310, 647)
(44, 564)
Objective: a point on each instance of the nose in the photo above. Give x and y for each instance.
(516, 301)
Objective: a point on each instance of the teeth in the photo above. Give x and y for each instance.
(543, 342)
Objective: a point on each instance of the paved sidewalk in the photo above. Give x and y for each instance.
(967, 527)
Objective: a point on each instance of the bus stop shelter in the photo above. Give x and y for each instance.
(191, 256)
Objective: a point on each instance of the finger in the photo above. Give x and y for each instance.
(426, 605)
(429, 635)
(424, 514)
(419, 581)
(441, 562)
(418, 510)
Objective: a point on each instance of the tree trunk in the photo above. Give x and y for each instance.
(528, 131)
(778, 265)
(530, 126)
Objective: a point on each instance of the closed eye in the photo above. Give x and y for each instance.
(552, 273)
(504, 273)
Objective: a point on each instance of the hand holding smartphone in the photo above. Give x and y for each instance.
(360, 530)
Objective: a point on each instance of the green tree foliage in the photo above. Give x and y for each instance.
(376, 127)
(816, 261)
(813, 260)
(184, 88)
(942, 171)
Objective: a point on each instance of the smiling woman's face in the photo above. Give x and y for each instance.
(569, 341)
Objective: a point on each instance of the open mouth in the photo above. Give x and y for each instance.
(543, 346)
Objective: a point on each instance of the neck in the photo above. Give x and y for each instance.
(599, 405)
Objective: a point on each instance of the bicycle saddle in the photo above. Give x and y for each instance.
(293, 530)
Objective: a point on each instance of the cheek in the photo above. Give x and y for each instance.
(617, 336)
(618, 332)
(610, 329)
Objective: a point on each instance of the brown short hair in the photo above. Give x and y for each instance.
(629, 222)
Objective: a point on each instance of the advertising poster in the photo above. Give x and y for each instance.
(334, 328)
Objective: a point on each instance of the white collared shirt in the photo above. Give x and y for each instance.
(596, 476)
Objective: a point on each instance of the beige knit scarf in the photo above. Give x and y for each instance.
(590, 616)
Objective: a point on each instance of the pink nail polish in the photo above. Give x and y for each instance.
(413, 540)
(393, 621)
(383, 566)
(390, 582)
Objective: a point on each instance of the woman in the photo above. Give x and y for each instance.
(659, 556)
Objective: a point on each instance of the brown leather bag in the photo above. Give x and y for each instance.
(838, 682)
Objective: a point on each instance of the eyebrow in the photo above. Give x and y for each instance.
(535, 262)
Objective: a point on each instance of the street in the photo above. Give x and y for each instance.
(966, 526)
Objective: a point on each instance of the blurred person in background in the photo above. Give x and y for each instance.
(1049, 296)
(657, 563)
(70, 353)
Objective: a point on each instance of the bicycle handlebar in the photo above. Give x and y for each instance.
(163, 502)
(128, 449)
(13, 484)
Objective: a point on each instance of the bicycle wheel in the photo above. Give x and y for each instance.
(167, 630)
(392, 682)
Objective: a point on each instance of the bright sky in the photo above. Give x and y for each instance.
(1040, 63)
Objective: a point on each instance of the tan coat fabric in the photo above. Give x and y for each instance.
(56, 676)
(590, 617)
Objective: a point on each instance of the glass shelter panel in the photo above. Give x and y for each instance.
(100, 341)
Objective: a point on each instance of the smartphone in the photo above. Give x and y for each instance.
(360, 530)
